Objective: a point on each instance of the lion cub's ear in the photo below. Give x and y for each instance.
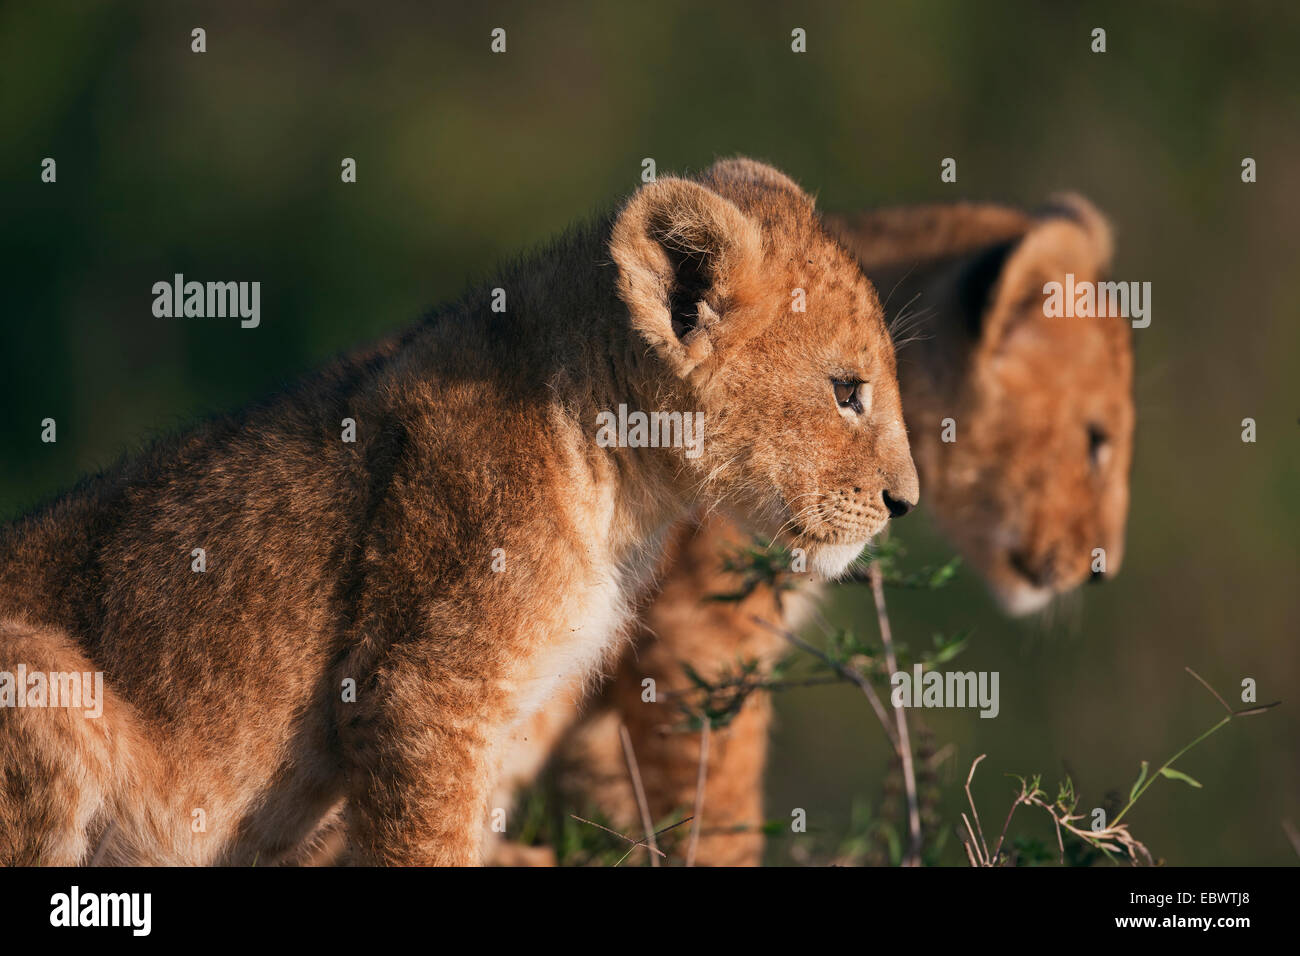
(682, 252)
(1003, 287)
(742, 170)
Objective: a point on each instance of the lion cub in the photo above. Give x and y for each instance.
(1037, 478)
(286, 621)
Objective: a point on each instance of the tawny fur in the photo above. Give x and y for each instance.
(1017, 493)
(226, 736)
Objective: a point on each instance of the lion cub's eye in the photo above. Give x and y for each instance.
(849, 394)
(1098, 446)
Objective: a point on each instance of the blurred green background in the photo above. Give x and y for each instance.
(225, 165)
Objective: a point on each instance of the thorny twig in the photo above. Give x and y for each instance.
(846, 673)
(904, 743)
(624, 836)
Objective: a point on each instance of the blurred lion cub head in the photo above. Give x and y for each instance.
(1022, 423)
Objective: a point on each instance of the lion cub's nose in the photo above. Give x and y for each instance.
(897, 507)
(1038, 572)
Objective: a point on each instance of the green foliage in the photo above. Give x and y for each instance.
(1173, 774)
(887, 555)
(1137, 784)
(719, 698)
(763, 563)
(876, 835)
(718, 701)
(1110, 839)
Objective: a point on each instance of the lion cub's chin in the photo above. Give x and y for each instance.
(1023, 599)
(829, 561)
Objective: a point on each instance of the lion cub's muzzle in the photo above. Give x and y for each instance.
(854, 514)
(839, 524)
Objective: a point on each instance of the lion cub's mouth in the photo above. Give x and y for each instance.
(859, 536)
(831, 548)
(1023, 599)
(829, 557)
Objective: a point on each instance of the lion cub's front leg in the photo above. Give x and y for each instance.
(421, 749)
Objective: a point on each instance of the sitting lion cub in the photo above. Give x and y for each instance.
(287, 621)
(1037, 478)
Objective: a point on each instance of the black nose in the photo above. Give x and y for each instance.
(1037, 572)
(1097, 577)
(896, 507)
(1042, 571)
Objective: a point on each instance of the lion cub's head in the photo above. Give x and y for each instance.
(1033, 485)
(745, 310)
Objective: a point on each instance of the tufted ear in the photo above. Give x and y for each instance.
(1002, 286)
(682, 253)
(744, 171)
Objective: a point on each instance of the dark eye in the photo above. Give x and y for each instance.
(847, 394)
(1098, 446)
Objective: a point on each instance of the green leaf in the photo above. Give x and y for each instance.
(948, 649)
(1132, 794)
(1173, 774)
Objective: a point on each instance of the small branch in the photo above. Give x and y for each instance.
(1206, 685)
(973, 849)
(624, 836)
(904, 745)
(971, 800)
(635, 772)
(1006, 825)
(847, 674)
(1060, 838)
(699, 794)
(673, 826)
